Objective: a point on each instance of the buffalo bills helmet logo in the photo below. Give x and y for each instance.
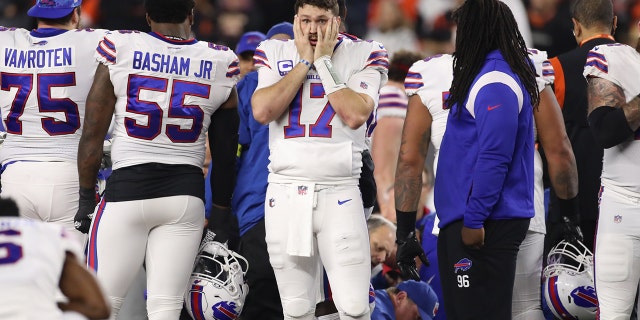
(464, 264)
(49, 3)
(585, 296)
(224, 310)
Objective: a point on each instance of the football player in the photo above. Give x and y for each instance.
(45, 76)
(165, 90)
(316, 120)
(39, 260)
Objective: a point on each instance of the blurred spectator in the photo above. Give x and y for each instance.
(551, 26)
(13, 13)
(123, 15)
(391, 27)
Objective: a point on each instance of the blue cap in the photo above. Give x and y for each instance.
(282, 27)
(53, 9)
(249, 41)
(422, 295)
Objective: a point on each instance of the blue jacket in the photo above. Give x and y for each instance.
(485, 167)
(247, 202)
(384, 308)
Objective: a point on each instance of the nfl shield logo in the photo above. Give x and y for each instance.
(617, 218)
(302, 190)
(364, 85)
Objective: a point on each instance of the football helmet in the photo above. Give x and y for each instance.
(569, 289)
(217, 288)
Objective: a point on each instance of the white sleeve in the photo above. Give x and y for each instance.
(367, 81)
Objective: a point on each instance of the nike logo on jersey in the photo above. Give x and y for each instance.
(343, 201)
(489, 108)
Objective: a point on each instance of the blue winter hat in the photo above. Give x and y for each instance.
(282, 27)
(422, 295)
(53, 9)
(249, 41)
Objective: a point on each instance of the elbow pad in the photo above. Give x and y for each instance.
(223, 142)
(609, 126)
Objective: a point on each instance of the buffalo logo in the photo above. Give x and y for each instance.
(40, 43)
(272, 203)
(617, 218)
(464, 264)
(48, 3)
(224, 310)
(585, 297)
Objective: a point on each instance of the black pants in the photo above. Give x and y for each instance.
(263, 300)
(478, 283)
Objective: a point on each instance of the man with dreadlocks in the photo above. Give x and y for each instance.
(484, 180)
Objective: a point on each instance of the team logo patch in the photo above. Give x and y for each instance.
(585, 297)
(302, 190)
(284, 66)
(617, 218)
(40, 43)
(272, 203)
(224, 310)
(464, 264)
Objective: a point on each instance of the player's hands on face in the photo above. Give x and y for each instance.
(301, 39)
(473, 238)
(327, 38)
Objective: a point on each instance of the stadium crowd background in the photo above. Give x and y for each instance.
(419, 25)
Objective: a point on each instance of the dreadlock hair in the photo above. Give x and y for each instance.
(331, 5)
(484, 26)
(400, 63)
(592, 13)
(169, 11)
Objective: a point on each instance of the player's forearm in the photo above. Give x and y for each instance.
(563, 173)
(408, 179)
(89, 159)
(352, 108)
(269, 103)
(632, 113)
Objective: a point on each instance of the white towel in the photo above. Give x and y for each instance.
(300, 239)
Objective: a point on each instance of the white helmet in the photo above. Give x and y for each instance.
(569, 290)
(217, 288)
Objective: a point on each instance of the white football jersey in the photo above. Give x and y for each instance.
(45, 77)
(431, 80)
(620, 64)
(32, 255)
(166, 91)
(545, 76)
(393, 103)
(309, 142)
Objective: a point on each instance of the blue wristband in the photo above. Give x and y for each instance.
(306, 63)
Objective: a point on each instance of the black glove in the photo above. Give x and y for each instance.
(571, 231)
(408, 249)
(367, 183)
(86, 206)
(224, 224)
